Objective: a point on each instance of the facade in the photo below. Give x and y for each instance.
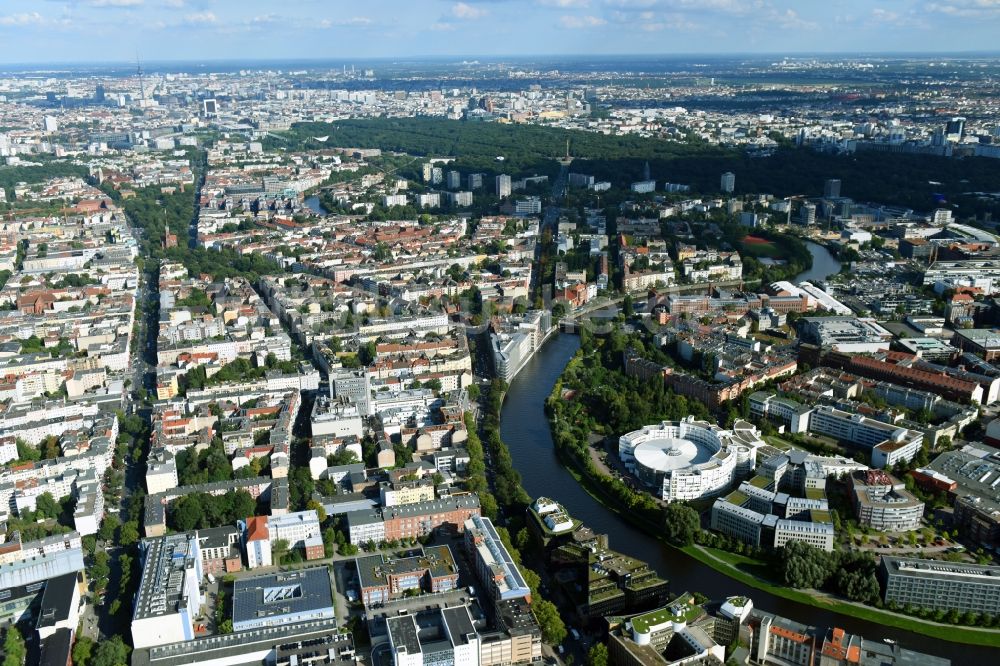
(690, 459)
(887, 442)
(494, 565)
(935, 584)
(301, 530)
(503, 185)
(220, 550)
(411, 520)
(727, 182)
(169, 596)
(883, 503)
(817, 534)
(383, 578)
(257, 541)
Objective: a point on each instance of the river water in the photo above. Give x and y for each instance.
(313, 204)
(525, 430)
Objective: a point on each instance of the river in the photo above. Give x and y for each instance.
(313, 204)
(823, 265)
(525, 430)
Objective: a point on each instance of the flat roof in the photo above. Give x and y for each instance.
(403, 633)
(280, 594)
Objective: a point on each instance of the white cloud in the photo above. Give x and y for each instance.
(115, 3)
(442, 26)
(565, 4)
(201, 18)
(580, 22)
(352, 21)
(26, 18)
(966, 8)
(467, 12)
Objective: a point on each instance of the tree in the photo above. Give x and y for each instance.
(111, 653)
(13, 647)
(627, 309)
(46, 506)
(188, 512)
(682, 524)
(318, 508)
(279, 549)
(598, 655)
(109, 526)
(83, 650)
(550, 622)
(129, 533)
(226, 627)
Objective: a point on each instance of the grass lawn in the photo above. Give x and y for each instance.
(757, 574)
(765, 249)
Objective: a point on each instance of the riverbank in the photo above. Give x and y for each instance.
(736, 566)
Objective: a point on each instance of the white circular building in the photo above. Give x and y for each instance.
(689, 459)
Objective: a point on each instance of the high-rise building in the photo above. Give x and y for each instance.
(475, 181)
(807, 214)
(728, 182)
(503, 185)
(210, 107)
(50, 124)
(954, 129)
(454, 180)
(831, 188)
(99, 93)
(437, 176)
(428, 172)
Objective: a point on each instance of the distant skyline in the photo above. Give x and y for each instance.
(48, 31)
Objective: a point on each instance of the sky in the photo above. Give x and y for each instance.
(117, 30)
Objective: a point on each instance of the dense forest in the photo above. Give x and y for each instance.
(912, 181)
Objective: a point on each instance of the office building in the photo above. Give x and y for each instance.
(494, 565)
(888, 443)
(443, 636)
(883, 503)
(503, 185)
(727, 182)
(169, 596)
(807, 214)
(643, 186)
(300, 644)
(383, 577)
(300, 530)
(303, 595)
(831, 188)
(936, 584)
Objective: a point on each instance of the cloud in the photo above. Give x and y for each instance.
(466, 12)
(115, 3)
(443, 26)
(966, 8)
(565, 4)
(201, 18)
(26, 18)
(581, 22)
(342, 22)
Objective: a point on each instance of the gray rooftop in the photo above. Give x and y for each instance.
(276, 595)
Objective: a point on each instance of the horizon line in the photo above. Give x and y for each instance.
(995, 53)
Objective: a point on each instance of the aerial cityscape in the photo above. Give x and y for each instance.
(562, 333)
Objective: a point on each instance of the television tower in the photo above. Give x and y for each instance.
(142, 87)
